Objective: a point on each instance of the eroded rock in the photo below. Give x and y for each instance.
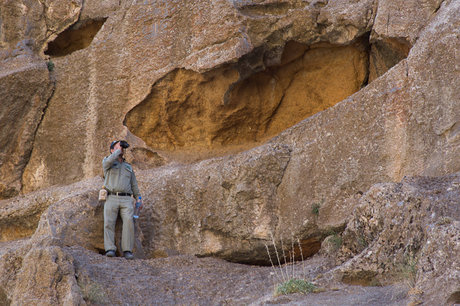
(393, 34)
(34, 23)
(77, 37)
(158, 40)
(406, 232)
(224, 207)
(25, 89)
(224, 108)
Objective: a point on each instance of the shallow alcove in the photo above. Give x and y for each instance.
(384, 54)
(233, 107)
(284, 252)
(76, 37)
(20, 227)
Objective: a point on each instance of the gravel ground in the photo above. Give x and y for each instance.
(187, 280)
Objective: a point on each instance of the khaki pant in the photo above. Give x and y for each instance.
(111, 208)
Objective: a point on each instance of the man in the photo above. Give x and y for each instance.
(121, 184)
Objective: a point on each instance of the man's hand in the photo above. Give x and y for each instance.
(117, 146)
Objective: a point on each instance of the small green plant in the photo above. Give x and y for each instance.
(288, 279)
(93, 292)
(315, 209)
(336, 240)
(362, 242)
(50, 65)
(294, 285)
(408, 270)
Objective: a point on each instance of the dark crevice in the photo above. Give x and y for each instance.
(265, 254)
(386, 53)
(29, 154)
(438, 7)
(76, 37)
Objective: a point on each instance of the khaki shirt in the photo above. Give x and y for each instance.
(119, 177)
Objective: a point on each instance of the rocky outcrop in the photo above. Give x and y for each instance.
(110, 83)
(205, 71)
(26, 85)
(225, 207)
(393, 34)
(379, 134)
(254, 56)
(25, 90)
(410, 232)
(402, 237)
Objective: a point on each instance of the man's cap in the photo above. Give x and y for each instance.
(124, 144)
(113, 144)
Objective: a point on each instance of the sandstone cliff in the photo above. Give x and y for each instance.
(247, 119)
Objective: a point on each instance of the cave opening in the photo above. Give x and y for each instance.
(230, 109)
(290, 253)
(20, 227)
(77, 37)
(188, 116)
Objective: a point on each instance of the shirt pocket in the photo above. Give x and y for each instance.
(126, 172)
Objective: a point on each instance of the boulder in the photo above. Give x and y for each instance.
(25, 88)
(408, 232)
(26, 82)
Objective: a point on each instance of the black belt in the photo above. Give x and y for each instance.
(120, 194)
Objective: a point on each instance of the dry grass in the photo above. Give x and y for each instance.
(93, 292)
(288, 278)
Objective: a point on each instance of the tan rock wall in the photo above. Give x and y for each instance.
(25, 89)
(98, 85)
(35, 22)
(393, 34)
(26, 85)
(140, 43)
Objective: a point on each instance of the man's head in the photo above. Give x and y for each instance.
(118, 144)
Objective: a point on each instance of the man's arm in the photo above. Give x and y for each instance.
(134, 187)
(109, 160)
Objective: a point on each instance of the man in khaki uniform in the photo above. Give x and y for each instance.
(121, 184)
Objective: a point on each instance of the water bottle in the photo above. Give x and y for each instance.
(103, 194)
(137, 209)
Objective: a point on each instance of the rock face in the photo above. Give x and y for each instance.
(110, 80)
(26, 85)
(409, 231)
(399, 232)
(199, 91)
(212, 111)
(25, 90)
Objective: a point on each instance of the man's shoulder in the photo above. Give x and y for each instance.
(128, 166)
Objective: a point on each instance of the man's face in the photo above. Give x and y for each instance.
(116, 147)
